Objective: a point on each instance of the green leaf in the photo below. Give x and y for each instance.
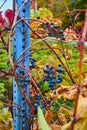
(41, 120)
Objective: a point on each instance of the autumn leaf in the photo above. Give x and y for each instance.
(63, 115)
(9, 15)
(55, 127)
(2, 21)
(81, 115)
(49, 115)
(57, 48)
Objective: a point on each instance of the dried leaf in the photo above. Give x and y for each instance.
(67, 126)
(84, 84)
(63, 115)
(55, 127)
(81, 124)
(49, 115)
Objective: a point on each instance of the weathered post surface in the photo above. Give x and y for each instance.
(21, 41)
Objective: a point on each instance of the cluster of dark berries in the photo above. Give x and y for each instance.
(53, 76)
(32, 62)
(54, 29)
(38, 102)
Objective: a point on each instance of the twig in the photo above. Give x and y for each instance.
(49, 46)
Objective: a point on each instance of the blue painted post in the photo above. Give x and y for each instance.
(21, 41)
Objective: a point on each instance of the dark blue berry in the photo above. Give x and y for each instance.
(61, 31)
(37, 101)
(56, 27)
(52, 104)
(48, 101)
(60, 65)
(33, 65)
(58, 81)
(52, 23)
(63, 37)
(37, 98)
(51, 85)
(35, 105)
(59, 76)
(45, 27)
(57, 109)
(47, 71)
(54, 92)
(53, 81)
(47, 65)
(59, 70)
(47, 78)
(51, 122)
(51, 67)
(38, 95)
(54, 76)
(47, 23)
(43, 106)
(52, 88)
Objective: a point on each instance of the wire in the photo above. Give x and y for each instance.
(3, 4)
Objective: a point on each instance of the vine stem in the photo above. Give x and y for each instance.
(70, 75)
(34, 83)
(81, 55)
(52, 50)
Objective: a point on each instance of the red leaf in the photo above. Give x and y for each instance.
(9, 15)
(2, 21)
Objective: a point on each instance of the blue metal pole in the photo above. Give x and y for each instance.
(21, 41)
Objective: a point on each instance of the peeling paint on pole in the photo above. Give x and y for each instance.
(21, 41)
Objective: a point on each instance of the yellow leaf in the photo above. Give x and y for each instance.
(82, 103)
(81, 124)
(63, 115)
(55, 127)
(67, 126)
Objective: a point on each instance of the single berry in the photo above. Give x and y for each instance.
(56, 27)
(38, 95)
(47, 23)
(51, 85)
(51, 67)
(52, 23)
(63, 38)
(52, 88)
(37, 101)
(58, 81)
(42, 106)
(60, 65)
(35, 105)
(47, 65)
(60, 77)
(54, 92)
(61, 31)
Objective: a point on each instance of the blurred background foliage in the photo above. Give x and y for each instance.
(59, 9)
